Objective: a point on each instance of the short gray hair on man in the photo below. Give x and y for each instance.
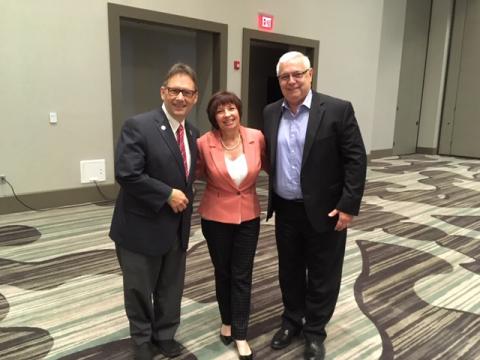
(292, 55)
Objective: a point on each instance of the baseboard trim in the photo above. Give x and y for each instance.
(376, 154)
(58, 198)
(427, 151)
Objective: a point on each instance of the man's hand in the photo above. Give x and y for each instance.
(178, 201)
(344, 219)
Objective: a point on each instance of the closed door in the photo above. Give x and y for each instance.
(415, 42)
(466, 112)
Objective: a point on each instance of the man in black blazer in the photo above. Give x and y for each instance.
(317, 176)
(155, 167)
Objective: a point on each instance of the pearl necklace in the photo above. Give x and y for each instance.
(231, 147)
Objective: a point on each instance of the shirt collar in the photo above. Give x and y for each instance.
(307, 102)
(174, 124)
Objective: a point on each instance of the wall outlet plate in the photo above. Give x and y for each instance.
(92, 171)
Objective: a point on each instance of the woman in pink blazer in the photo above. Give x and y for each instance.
(230, 158)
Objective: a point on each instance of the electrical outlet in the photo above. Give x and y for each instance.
(92, 171)
(3, 179)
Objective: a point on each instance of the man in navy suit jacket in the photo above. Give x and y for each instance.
(155, 167)
(317, 175)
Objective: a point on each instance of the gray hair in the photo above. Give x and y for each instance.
(292, 55)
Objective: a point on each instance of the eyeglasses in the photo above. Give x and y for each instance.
(297, 75)
(185, 92)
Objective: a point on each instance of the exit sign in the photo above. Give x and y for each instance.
(265, 22)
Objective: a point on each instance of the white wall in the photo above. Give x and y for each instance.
(55, 57)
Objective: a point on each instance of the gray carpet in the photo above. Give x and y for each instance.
(410, 290)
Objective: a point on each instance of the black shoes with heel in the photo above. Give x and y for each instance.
(226, 339)
(245, 357)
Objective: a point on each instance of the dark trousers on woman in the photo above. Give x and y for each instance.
(232, 249)
(310, 269)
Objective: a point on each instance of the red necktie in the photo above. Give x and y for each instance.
(181, 145)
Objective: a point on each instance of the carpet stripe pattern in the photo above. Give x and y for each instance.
(410, 288)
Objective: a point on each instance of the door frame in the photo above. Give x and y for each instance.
(452, 79)
(294, 41)
(405, 88)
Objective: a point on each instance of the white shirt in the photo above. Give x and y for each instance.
(237, 169)
(174, 124)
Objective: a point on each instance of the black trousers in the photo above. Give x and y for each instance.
(310, 269)
(152, 289)
(232, 249)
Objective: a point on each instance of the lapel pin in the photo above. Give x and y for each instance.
(163, 127)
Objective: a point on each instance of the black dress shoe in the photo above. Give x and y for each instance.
(142, 352)
(314, 350)
(226, 339)
(283, 338)
(169, 348)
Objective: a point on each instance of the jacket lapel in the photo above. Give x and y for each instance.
(192, 144)
(250, 151)
(314, 120)
(166, 131)
(218, 157)
(276, 117)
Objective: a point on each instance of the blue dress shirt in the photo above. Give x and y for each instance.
(290, 142)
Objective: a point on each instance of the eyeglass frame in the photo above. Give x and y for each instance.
(297, 75)
(174, 92)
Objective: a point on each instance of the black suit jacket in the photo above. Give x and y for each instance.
(334, 159)
(148, 164)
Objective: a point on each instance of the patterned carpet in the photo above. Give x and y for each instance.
(410, 290)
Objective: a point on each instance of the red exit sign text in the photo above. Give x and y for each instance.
(265, 22)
